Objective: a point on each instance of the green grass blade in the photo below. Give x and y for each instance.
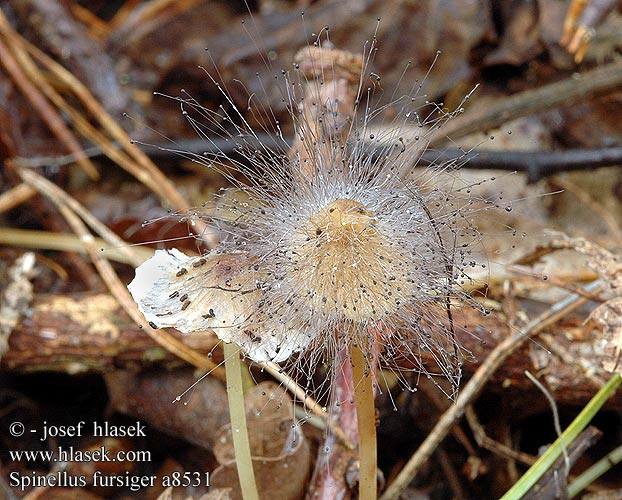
(542, 465)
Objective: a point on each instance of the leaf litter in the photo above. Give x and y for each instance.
(514, 212)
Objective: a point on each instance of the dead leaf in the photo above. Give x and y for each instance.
(280, 452)
(151, 396)
(609, 314)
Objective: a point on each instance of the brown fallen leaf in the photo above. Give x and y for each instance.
(151, 396)
(281, 455)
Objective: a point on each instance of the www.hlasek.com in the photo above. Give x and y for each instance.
(65, 455)
(70, 454)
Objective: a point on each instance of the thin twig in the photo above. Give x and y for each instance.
(536, 164)
(576, 88)
(554, 280)
(553, 405)
(475, 385)
(490, 444)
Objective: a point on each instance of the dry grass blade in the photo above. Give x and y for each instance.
(143, 19)
(63, 202)
(47, 240)
(33, 86)
(15, 196)
(131, 254)
(98, 29)
(131, 158)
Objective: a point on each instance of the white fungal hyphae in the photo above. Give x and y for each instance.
(332, 241)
